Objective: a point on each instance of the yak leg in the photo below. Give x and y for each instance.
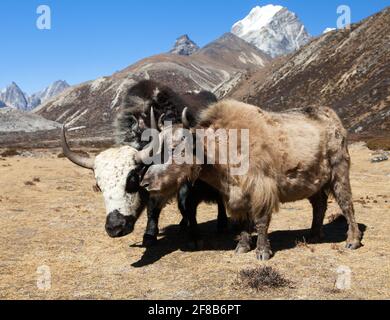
(319, 203)
(222, 223)
(194, 234)
(188, 204)
(195, 241)
(151, 233)
(244, 244)
(195, 196)
(263, 250)
(182, 197)
(341, 188)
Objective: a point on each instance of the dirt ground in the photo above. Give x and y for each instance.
(51, 219)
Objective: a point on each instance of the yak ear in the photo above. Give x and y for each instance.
(153, 177)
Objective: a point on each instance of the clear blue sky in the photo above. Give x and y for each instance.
(93, 38)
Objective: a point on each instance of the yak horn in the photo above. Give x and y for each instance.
(161, 122)
(153, 123)
(144, 154)
(136, 122)
(87, 163)
(184, 119)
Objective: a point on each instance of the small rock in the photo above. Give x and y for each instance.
(343, 281)
(380, 158)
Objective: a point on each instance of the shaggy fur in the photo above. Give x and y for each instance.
(146, 94)
(301, 154)
(285, 165)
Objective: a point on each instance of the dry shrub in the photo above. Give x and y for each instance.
(337, 248)
(379, 144)
(262, 278)
(11, 152)
(36, 179)
(66, 188)
(304, 244)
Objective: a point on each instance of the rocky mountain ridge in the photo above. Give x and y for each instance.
(92, 106)
(348, 70)
(13, 96)
(184, 46)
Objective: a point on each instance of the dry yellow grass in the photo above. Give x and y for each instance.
(58, 221)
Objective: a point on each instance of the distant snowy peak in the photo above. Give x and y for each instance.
(53, 90)
(46, 94)
(12, 96)
(328, 30)
(273, 29)
(184, 46)
(258, 18)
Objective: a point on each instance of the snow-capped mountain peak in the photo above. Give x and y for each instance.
(52, 90)
(49, 92)
(14, 97)
(273, 29)
(258, 18)
(328, 30)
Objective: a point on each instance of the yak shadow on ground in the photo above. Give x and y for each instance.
(174, 239)
(334, 232)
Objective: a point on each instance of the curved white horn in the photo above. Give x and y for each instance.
(153, 123)
(144, 154)
(87, 163)
(136, 121)
(161, 122)
(184, 119)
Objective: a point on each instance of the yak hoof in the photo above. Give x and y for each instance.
(241, 249)
(149, 241)
(353, 245)
(264, 255)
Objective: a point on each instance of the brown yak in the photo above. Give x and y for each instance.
(296, 155)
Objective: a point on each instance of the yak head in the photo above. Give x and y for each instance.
(182, 154)
(170, 159)
(118, 178)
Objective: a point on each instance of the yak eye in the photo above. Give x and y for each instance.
(132, 182)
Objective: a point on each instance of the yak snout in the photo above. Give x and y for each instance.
(118, 225)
